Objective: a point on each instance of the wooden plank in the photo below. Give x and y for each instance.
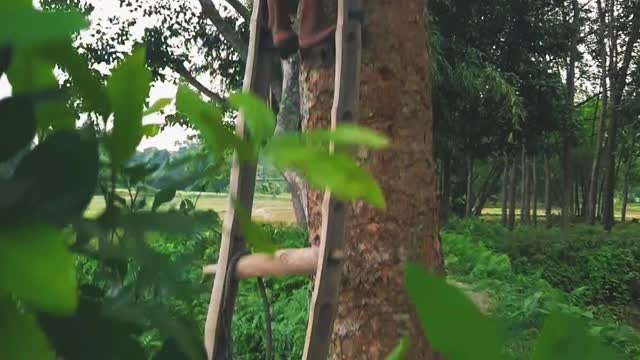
(242, 186)
(345, 110)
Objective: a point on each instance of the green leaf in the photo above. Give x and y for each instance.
(55, 114)
(37, 267)
(162, 197)
(400, 352)
(137, 173)
(60, 177)
(259, 240)
(171, 222)
(17, 125)
(85, 81)
(29, 73)
(90, 334)
(447, 315)
(150, 130)
(20, 336)
(348, 135)
(127, 89)
(337, 172)
(257, 115)
(564, 337)
(26, 26)
(157, 106)
(207, 118)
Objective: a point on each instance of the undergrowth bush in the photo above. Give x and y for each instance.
(534, 272)
(289, 296)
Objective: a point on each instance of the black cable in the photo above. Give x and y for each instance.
(227, 320)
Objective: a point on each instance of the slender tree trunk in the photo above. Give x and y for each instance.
(625, 189)
(445, 197)
(505, 190)
(485, 190)
(374, 311)
(534, 191)
(524, 193)
(547, 191)
(567, 156)
(600, 194)
(591, 210)
(512, 195)
(618, 81)
(288, 120)
(469, 199)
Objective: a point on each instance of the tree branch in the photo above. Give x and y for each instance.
(282, 263)
(239, 7)
(186, 75)
(230, 34)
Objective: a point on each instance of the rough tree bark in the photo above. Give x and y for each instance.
(395, 99)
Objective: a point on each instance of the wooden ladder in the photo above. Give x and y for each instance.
(330, 256)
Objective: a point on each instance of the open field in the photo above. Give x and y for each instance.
(278, 210)
(266, 208)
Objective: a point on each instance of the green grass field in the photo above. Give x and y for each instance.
(278, 209)
(266, 208)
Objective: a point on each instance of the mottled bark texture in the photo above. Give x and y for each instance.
(289, 121)
(374, 311)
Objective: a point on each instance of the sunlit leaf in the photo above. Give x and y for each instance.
(29, 73)
(157, 106)
(85, 81)
(128, 89)
(564, 337)
(150, 130)
(257, 115)
(401, 350)
(207, 118)
(37, 267)
(447, 315)
(25, 27)
(259, 240)
(337, 172)
(162, 197)
(349, 135)
(17, 125)
(20, 335)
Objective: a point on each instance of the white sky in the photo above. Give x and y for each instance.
(167, 139)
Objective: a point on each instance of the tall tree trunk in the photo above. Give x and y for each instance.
(600, 194)
(625, 189)
(374, 311)
(547, 191)
(524, 196)
(288, 120)
(485, 190)
(618, 82)
(512, 195)
(591, 209)
(534, 190)
(469, 199)
(445, 196)
(505, 190)
(567, 193)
